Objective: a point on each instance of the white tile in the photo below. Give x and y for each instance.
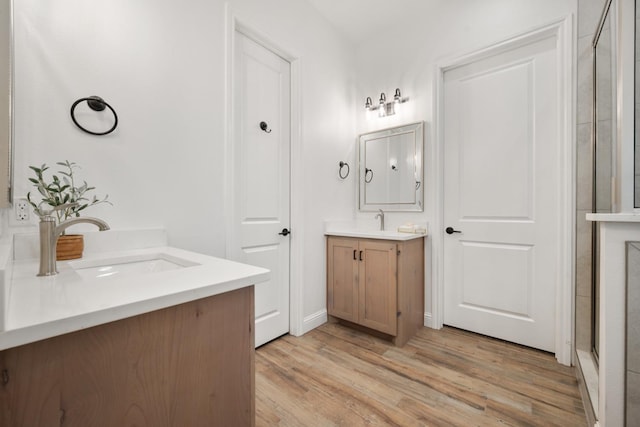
(633, 306)
(584, 93)
(584, 166)
(633, 397)
(604, 78)
(589, 12)
(604, 165)
(583, 323)
(583, 254)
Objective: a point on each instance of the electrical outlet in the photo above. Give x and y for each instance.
(21, 209)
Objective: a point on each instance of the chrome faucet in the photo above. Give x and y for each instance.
(381, 216)
(49, 234)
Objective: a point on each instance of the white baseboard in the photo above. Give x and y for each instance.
(428, 320)
(313, 321)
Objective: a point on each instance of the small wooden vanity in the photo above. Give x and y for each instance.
(377, 284)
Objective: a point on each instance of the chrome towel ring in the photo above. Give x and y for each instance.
(96, 104)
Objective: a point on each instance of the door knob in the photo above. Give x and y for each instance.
(284, 232)
(450, 230)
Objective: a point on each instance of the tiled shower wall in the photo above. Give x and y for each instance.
(589, 12)
(633, 332)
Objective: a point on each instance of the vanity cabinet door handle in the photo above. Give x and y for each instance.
(360, 255)
(354, 255)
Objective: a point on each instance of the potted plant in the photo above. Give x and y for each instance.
(59, 190)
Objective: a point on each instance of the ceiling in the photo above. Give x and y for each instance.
(360, 19)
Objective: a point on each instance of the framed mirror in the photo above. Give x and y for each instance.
(390, 175)
(6, 100)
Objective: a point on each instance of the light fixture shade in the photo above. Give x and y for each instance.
(397, 98)
(368, 103)
(382, 110)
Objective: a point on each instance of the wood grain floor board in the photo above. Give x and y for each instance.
(561, 380)
(336, 376)
(469, 374)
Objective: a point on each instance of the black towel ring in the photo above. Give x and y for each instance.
(366, 172)
(343, 164)
(96, 104)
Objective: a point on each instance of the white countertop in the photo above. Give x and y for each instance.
(374, 234)
(614, 217)
(42, 307)
(368, 230)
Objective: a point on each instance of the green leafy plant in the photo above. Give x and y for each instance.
(61, 189)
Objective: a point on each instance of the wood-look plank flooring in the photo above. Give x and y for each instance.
(336, 376)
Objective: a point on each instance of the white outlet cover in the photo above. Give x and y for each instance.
(22, 211)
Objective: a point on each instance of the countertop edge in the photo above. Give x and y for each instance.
(32, 333)
(371, 235)
(212, 276)
(613, 217)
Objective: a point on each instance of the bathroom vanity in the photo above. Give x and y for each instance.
(375, 282)
(148, 337)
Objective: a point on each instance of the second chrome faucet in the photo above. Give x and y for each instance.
(381, 216)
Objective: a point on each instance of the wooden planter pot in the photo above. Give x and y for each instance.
(69, 246)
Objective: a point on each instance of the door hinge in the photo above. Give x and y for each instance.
(5, 377)
(398, 313)
(398, 252)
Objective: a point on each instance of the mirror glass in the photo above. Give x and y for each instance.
(6, 102)
(390, 169)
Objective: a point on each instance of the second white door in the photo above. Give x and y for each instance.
(501, 194)
(261, 151)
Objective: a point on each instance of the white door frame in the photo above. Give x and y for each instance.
(564, 31)
(233, 24)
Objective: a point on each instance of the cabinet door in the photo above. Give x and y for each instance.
(342, 278)
(377, 294)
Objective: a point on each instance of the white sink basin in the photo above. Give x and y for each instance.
(128, 265)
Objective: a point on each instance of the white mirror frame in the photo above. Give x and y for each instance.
(416, 205)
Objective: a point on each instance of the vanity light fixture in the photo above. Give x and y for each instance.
(385, 108)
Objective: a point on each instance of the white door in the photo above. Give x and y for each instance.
(501, 191)
(261, 178)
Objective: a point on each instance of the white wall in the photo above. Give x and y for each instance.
(405, 55)
(161, 65)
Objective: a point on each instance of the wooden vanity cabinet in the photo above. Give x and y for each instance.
(187, 365)
(377, 284)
